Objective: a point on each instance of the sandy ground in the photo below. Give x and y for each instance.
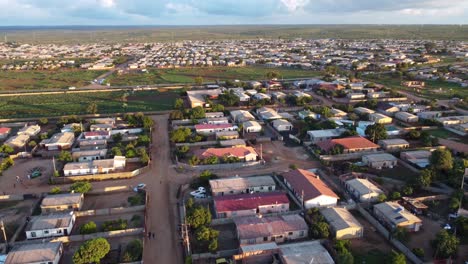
(107, 200)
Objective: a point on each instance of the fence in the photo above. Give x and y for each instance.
(110, 211)
(11, 197)
(124, 188)
(228, 166)
(110, 234)
(348, 156)
(197, 144)
(108, 176)
(219, 254)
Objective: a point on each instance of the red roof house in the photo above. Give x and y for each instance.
(4, 132)
(247, 204)
(349, 144)
(242, 152)
(310, 189)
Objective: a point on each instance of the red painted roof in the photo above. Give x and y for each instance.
(239, 152)
(355, 142)
(4, 130)
(212, 126)
(309, 183)
(96, 133)
(248, 201)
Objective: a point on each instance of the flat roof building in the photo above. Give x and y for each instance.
(237, 185)
(342, 223)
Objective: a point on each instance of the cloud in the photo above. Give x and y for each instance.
(294, 5)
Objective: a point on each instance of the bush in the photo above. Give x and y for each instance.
(138, 199)
(81, 187)
(419, 252)
(112, 225)
(136, 220)
(88, 228)
(133, 251)
(92, 251)
(55, 190)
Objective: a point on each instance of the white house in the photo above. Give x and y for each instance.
(282, 125)
(30, 130)
(379, 161)
(380, 118)
(94, 166)
(325, 134)
(363, 190)
(406, 117)
(53, 225)
(251, 127)
(211, 129)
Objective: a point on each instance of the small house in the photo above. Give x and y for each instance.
(53, 225)
(380, 161)
(393, 215)
(393, 144)
(342, 223)
(363, 190)
(282, 125)
(238, 185)
(406, 117)
(380, 118)
(251, 127)
(37, 253)
(62, 202)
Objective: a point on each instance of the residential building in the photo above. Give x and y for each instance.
(244, 154)
(104, 120)
(18, 141)
(93, 144)
(88, 155)
(394, 215)
(419, 158)
(380, 118)
(52, 225)
(238, 185)
(308, 114)
(310, 252)
(309, 189)
(338, 113)
(241, 116)
(279, 229)
(342, 223)
(226, 135)
(363, 111)
(232, 143)
(247, 204)
(198, 97)
(406, 117)
(429, 114)
(325, 134)
(453, 120)
(4, 132)
(380, 161)
(211, 129)
(94, 166)
(282, 125)
(59, 141)
(393, 144)
(266, 113)
(38, 253)
(354, 96)
(101, 127)
(251, 127)
(30, 130)
(62, 202)
(363, 190)
(350, 144)
(214, 115)
(72, 127)
(94, 135)
(216, 120)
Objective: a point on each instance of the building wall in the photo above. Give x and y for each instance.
(61, 208)
(278, 238)
(230, 214)
(382, 164)
(394, 147)
(55, 232)
(349, 233)
(255, 189)
(321, 201)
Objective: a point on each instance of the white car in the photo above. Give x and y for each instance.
(201, 191)
(139, 187)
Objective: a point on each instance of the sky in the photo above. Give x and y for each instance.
(230, 12)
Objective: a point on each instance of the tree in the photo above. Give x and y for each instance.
(197, 113)
(92, 108)
(397, 258)
(320, 230)
(272, 74)
(345, 257)
(445, 244)
(88, 228)
(199, 216)
(441, 159)
(133, 251)
(419, 252)
(92, 251)
(213, 246)
(6, 149)
(117, 138)
(217, 108)
(395, 196)
(65, 156)
(116, 151)
(425, 178)
(206, 234)
(381, 198)
(401, 234)
(198, 80)
(414, 134)
(55, 190)
(144, 157)
(180, 135)
(179, 103)
(43, 121)
(376, 132)
(228, 98)
(407, 190)
(143, 140)
(81, 187)
(32, 144)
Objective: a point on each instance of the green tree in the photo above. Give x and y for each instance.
(407, 190)
(204, 233)
(81, 187)
(272, 74)
(445, 244)
(180, 135)
(425, 178)
(395, 195)
(116, 151)
(55, 190)
(213, 246)
(65, 156)
(179, 104)
(397, 258)
(92, 108)
(228, 98)
(376, 132)
(345, 257)
(133, 251)
(6, 149)
(217, 108)
(381, 198)
(198, 80)
(32, 144)
(88, 228)
(441, 159)
(43, 121)
(197, 113)
(117, 138)
(199, 216)
(320, 230)
(92, 251)
(419, 252)
(414, 134)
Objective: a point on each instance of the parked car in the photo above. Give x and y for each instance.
(201, 191)
(139, 187)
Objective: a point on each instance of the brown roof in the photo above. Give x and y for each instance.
(239, 152)
(355, 142)
(33, 253)
(255, 227)
(309, 183)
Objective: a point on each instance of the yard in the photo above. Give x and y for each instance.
(445, 134)
(398, 173)
(187, 75)
(77, 103)
(53, 79)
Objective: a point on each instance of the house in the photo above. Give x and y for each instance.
(363, 190)
(198, 98)
(226, 135)
(429, 114)
(350, 144)
(251, 127)
(18, 141)
(355, 96)
(93, 135)
(62, 202)
(261, 96)
(342, 223)
(247, 204)
(279, 229)
(308, 188)
(310, 252)
(406, 117)
(101, 127)
(104, 120)
(52, 225)
(4, 132)
(413, 84)
(266, 113)
(72, 127)
(373, 95)
(414, 205)
(453, 120)
(243, 97)
(308, 114)
(282, 125)
(93, 144)
(238, 185)
(241, 116)
(211, 129)
(37, 253)
(87, 155)
(216, 120)
(94, 166)
(419, 158)
(380, 161)
(59, 141)
(338, 113)
(388, 109)
(380, 118)
(214, 115)
(232, 143)
(244, 154)
(393, 215)
(363, 111)
(393, 144)
(325, 134)
(30, 130)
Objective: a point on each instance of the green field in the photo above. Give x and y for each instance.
(432, 90)
(77, 103)
(54, 79)
(127, 34)
(187, 75)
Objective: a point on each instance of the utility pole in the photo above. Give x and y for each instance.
(4, 233)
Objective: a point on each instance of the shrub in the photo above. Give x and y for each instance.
(92, 251)
(138, 199)
(88, 228)
(81, 187)
(419, 252)
(55, 190)
(133, 251)
(119, 224)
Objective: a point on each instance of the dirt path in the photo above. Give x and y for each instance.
(162, 206)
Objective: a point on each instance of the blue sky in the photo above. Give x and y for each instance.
(222, 12)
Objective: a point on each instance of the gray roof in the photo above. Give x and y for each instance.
(363, 186)
(394, 141)
(305, 252)
(33, 253)
(62, 199)
(380, 157)
(323, 133)
(340, 218)
(395, 213)
(51, 221)
(240, 183)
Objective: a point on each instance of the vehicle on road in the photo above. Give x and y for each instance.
(201, 191)
(139, 187)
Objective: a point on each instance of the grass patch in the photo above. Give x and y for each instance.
(77, 103)
(445, 134)
(56, 79)
(398, 173)
(373, 256)
(187, 75)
